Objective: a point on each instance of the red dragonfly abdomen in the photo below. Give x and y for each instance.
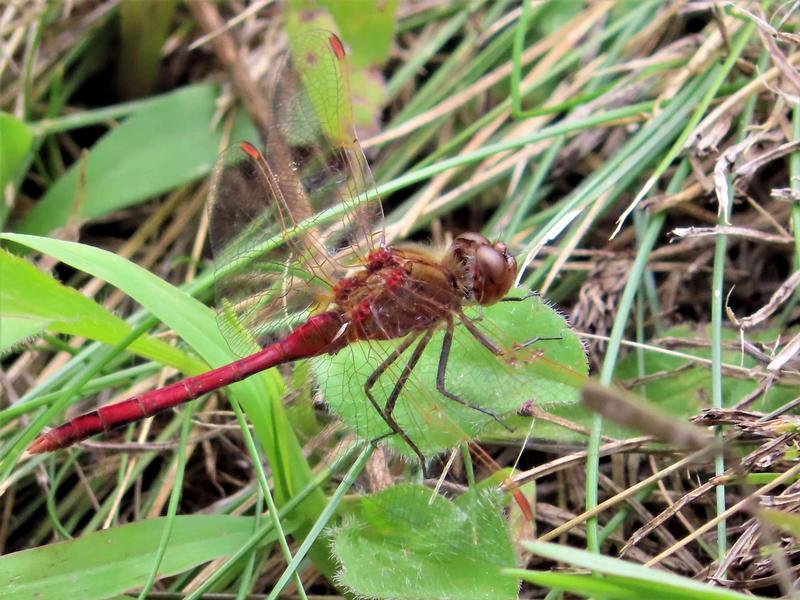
(318, 335)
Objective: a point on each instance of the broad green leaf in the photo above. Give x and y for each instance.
(166, 144)
(643, 581)
(407, 542)
(15, 143)
(31, 302)
(109, 562)
(549, 373)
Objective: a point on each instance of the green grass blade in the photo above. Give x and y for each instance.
(649, 583)
(196, 324)
(31, 302)
(105, 563)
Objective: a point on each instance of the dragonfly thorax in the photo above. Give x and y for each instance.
(400, 290)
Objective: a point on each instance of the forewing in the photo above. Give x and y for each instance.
(313, 119)
(287, 222)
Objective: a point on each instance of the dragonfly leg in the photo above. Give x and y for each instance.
(528, 295)
(538, 338)
(447, 342)
(386, 411)
(476, 333)
(494, 348)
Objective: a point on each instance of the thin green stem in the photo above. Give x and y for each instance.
(717, 301)
(265, 491)
(174, 498)
(322, 521)
(637, 271)
(51, 496)
(262, 533)
(794, 182)
(246, 580)
(717, 283)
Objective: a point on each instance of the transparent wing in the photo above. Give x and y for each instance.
(288, 221)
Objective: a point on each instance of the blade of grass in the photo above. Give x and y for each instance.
(196, 324)
(174, 498)
(645, 581)
(322, 521)
(716, 77)
(107, 563)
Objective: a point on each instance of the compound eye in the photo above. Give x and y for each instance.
(494, 274)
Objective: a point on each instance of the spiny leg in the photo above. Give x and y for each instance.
(447, 342)
(528, 295)
(373, 378)
(494, 348)
(388, 409)
(539, 338)
(478, 334)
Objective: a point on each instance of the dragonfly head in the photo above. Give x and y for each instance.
(487, 267)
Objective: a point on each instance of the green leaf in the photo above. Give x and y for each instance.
(549, 373)
(31, 302)
(166, 144)
(629, 577)
(15, 143)
(104, 563)
(409, 542)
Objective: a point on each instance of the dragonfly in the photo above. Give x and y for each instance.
(303, 271)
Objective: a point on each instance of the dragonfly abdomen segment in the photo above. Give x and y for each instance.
(316, 336)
